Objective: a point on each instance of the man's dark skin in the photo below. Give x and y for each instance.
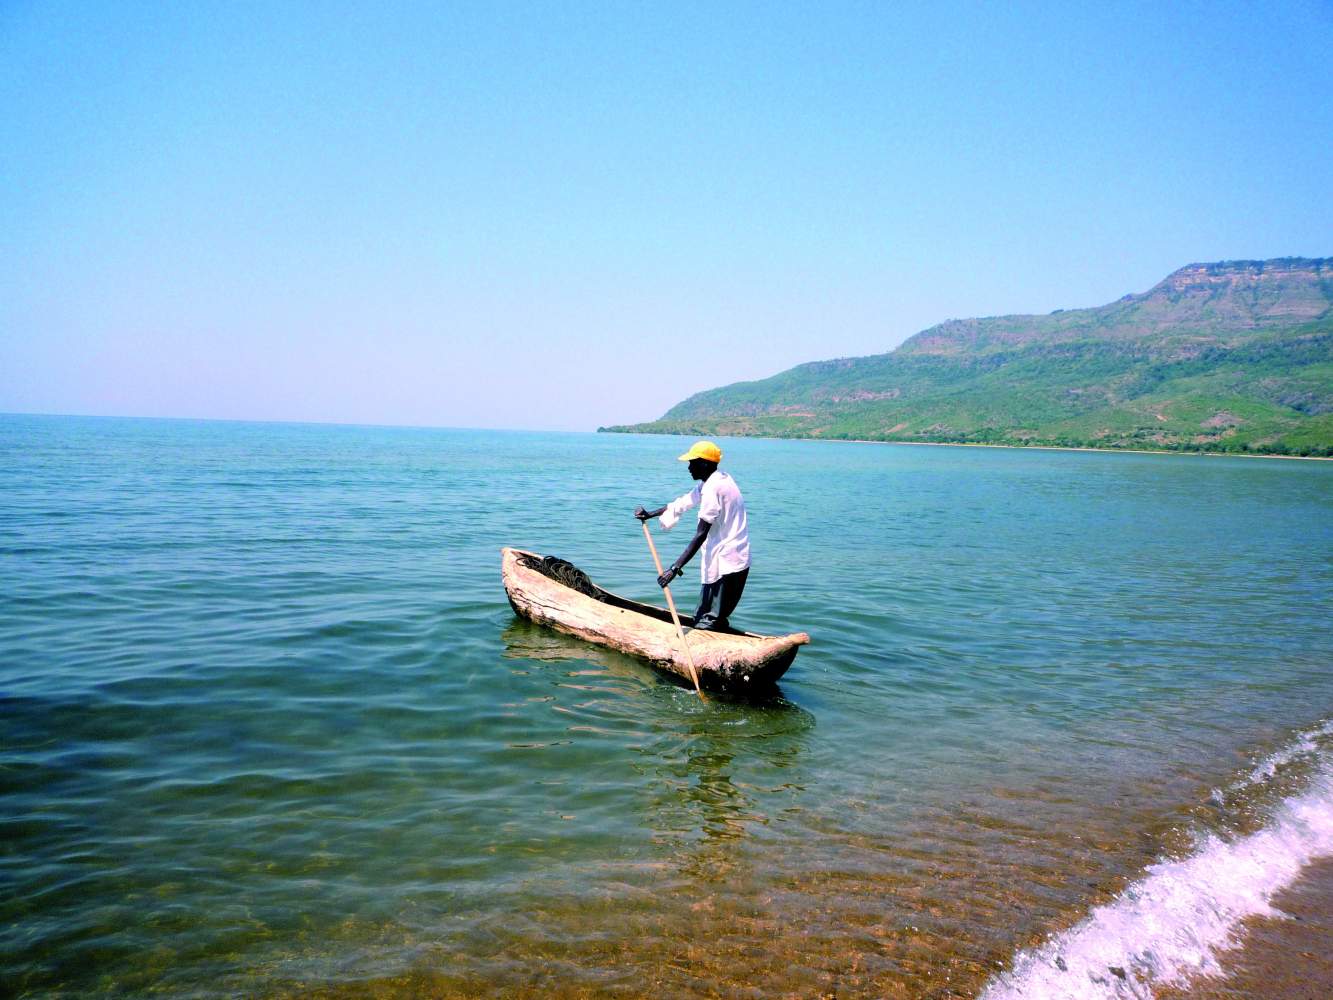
(700, 469)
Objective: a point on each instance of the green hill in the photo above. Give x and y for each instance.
(1235, 356)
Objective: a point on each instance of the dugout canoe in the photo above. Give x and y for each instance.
(734, 662)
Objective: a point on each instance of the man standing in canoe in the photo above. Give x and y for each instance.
(721, 532)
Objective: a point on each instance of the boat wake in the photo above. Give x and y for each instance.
(1167, 927)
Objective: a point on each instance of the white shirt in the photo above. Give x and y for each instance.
(726, 548)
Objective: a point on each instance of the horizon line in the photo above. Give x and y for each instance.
(288, 421)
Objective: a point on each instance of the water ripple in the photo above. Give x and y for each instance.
(270, 727)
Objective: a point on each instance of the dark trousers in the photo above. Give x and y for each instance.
(718, 600)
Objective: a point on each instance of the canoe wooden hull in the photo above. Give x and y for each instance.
(737, 663)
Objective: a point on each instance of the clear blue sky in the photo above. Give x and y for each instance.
(564, 215)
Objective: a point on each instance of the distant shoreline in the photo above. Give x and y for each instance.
(1012, 447)
(1059, 447)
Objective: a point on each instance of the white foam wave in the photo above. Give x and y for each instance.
(1168, 926)
(1305, 745)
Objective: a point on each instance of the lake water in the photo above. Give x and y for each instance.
(270, 727)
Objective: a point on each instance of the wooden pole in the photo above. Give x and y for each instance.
(689, 657)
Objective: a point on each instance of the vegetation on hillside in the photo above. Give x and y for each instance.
(1232, 357)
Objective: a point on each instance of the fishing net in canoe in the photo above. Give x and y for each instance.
(564, 571)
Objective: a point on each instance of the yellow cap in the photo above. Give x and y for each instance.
(705, 450)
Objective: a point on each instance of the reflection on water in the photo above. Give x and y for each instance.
(694, 792)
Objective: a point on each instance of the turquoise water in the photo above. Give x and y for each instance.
(271, 728)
